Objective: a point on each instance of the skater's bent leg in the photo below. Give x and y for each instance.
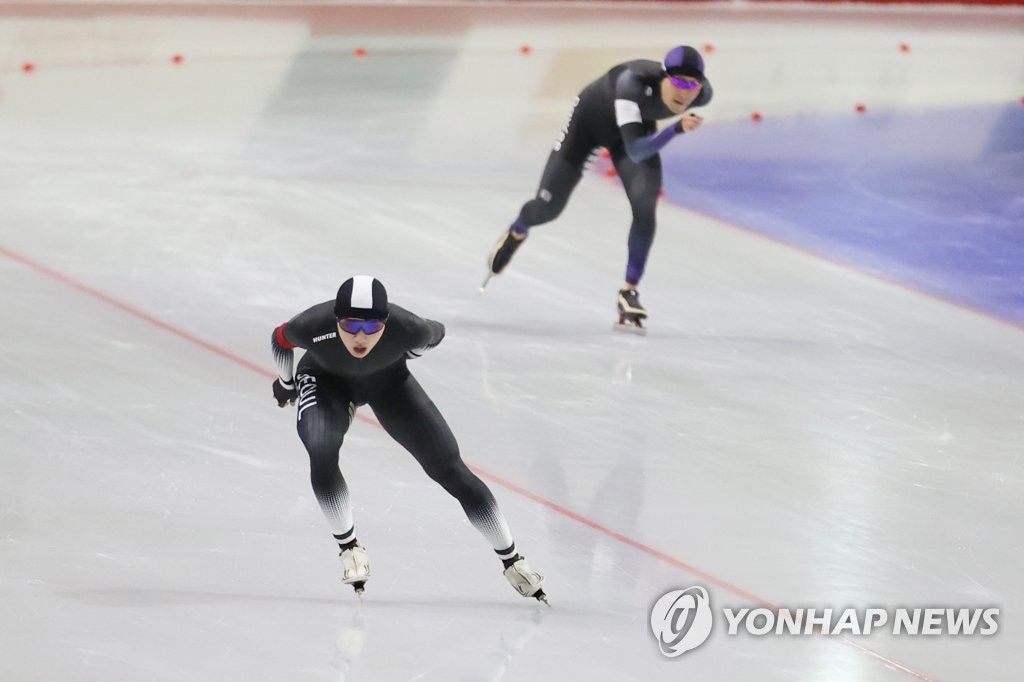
(556, 186)
(412, 419)
(642, 182)
(562, 173)
(557, 183)
(323, 419)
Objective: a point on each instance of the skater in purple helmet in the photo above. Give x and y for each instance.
(619, 111)
(357, 346)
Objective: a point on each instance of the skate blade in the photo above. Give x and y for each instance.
(487, 279)
(359, 587)
(630, 328)
(543, 598)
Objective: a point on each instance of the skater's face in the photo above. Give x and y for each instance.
(679, 92)
(360, 336)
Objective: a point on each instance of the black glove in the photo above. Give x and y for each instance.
(285, 393)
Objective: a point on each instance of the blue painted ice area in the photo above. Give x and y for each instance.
(933, 199)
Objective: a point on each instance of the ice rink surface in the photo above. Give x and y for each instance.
(828, 410)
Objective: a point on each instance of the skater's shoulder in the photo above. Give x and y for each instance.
(639, 69)
(403, 318)
(397, 313)
(316, 315)
(411, 325)
(636, 80)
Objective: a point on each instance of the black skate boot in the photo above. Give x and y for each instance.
(501, 255)
(631, 312)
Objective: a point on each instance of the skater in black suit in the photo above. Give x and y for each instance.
(357, 346)
(619, 111)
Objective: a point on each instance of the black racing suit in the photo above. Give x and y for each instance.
(331, 383)
(618, 111)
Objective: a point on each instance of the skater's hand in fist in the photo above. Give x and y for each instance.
(285, 393)
(690, 122)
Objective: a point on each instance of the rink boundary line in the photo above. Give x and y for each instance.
(131, 310)
(625, 539)
(483, 473)
(677, 563)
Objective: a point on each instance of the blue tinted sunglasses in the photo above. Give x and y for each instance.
(352, 325)
(684, 85)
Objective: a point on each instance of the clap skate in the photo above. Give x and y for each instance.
(501, 255)
(631, 313)
(526, 581)
(355, 568)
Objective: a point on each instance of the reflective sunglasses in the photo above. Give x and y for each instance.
(684, 85)
(352, 325)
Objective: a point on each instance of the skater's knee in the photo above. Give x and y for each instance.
(320, 441)
(538, 211)
(325, 479)
(453, 476)
(444, 472)
(323, 465)
(643, 222)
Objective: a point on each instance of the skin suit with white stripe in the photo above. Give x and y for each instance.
(356, 351)
(620, 112)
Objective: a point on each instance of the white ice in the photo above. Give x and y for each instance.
(791, 432)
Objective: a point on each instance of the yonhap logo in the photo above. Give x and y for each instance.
(681, 620)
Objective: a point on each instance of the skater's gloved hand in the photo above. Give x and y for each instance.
(285, 393)
(690, 122)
